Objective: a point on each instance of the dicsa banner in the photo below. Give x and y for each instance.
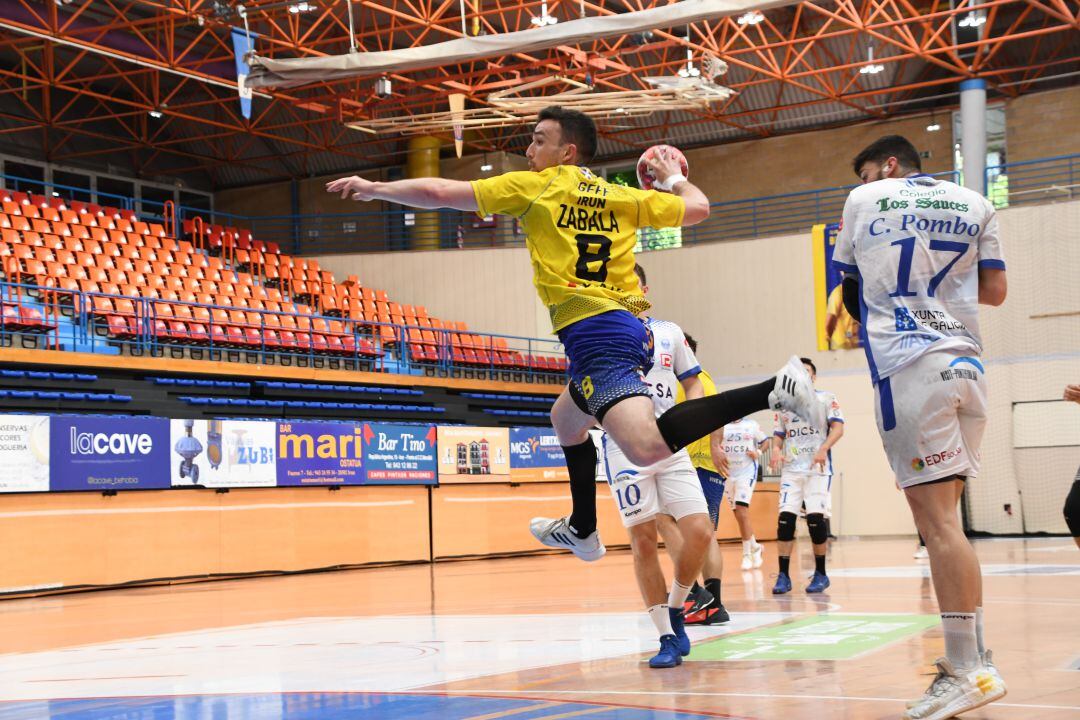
(536, 455)
(320, 453)
(24, 453)
(400, 454)
(836, 329)
(224, 453)
(473, 454)
(108, 453)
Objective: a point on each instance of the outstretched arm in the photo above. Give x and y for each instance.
(428, 193)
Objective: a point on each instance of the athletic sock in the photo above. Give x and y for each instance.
(678, 594)
(713, 586)
(690, 420)
(581, 463)
(661, 618)
(979, 632)
(748, 546)
(785, 562)
(819, 564)
(961, 648)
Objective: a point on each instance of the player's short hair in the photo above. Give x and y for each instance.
(690, 341)
(640, 272)
(808, 361)
(577, 128)
(886, 147)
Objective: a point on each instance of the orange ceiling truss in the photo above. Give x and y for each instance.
(81, 77)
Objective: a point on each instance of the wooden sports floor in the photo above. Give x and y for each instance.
(538, 638)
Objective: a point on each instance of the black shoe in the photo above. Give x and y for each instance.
(713, 615)
(697, 601)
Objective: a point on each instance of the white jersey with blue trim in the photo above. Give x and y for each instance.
(917, 245)
(739, 439)
(673, 361)
(801, 441)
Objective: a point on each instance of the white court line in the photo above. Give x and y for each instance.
(764, 696)
(196, 508)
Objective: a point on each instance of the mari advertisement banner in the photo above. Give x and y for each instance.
(24, 453)
(320, 453)
(224, 453)
(108, 453)
(400, 454)
(536, 455)
(473, 454)
(836, 329)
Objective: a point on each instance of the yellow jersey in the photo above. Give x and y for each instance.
(845, 335)
(699, 452)
(580, 231)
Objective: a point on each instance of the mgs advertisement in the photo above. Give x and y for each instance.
(24, 453)
(473, 454)
(104, 453)
(536, 456)
(399, 454)
(223, 453)
(319, 453)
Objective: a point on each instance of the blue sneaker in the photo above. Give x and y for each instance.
(669, 655)
(783, 584)
(679, 626)
(818, 583)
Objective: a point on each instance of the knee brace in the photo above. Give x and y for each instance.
(785, 527)
(819, 531)
(1072, 510)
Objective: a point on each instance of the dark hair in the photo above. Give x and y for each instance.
(690, 341)
(886, 147)
(808, 361)
(577, 128)
(640, 272)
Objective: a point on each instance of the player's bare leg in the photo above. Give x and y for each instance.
(651, 583)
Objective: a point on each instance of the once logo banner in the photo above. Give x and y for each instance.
(400, 454)
(536, 455)
(473, 454)
(320, 453)
(224, 453)
(24, 453)
(106, 453)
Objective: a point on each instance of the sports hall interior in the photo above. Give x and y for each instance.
(168, 253)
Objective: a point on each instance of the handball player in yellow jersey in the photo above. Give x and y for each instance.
(580, 231)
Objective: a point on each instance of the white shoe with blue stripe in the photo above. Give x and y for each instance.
(556, 533)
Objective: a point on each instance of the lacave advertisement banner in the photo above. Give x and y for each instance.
(108, 453)
(223, 453)
(24, 453)
(536, 455)
(320, 453)
(400, 454)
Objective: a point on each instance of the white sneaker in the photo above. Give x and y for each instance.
(794, 391)
(921, 553)
(747, 561)
(556, 533)
(951, 694)
(758, 556)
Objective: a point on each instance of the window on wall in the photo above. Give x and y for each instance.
(24, 176)
(114, 192)
(152, 199)
(72, 186)
(647, 238)
(997, 181)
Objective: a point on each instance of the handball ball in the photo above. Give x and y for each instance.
(645, 176)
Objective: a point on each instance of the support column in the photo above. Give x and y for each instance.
(973, 133)
(423, 161)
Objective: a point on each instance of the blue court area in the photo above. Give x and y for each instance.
(324, 706)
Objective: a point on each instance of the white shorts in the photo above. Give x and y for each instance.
(797, 488)
(670, 486)
(742, 485)
(931, 415)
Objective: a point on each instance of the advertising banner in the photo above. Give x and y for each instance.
(473, 454)
(108, 453)
(320, 453)
(400, 454)
(223, 453)
(536, 455)
(836, 329)
(24, 453)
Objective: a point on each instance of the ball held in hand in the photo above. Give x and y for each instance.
(645, 177)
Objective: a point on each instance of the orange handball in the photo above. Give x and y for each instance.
(645, 177)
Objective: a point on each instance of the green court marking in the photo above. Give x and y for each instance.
(821, 637)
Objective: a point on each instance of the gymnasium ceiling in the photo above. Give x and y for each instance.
(79, 78)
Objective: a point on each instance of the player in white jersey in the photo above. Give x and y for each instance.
(741, 445)
(670, 487)
(919, 255)
(806, 478)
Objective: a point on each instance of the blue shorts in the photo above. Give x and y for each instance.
(712, 485)
(609, 355)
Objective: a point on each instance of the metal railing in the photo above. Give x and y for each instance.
(1029, 181)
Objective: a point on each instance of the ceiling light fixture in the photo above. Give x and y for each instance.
(301, 7)
(544, 18)
(155, 114)
(973, 19)
(751, 18)
(871, 68)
